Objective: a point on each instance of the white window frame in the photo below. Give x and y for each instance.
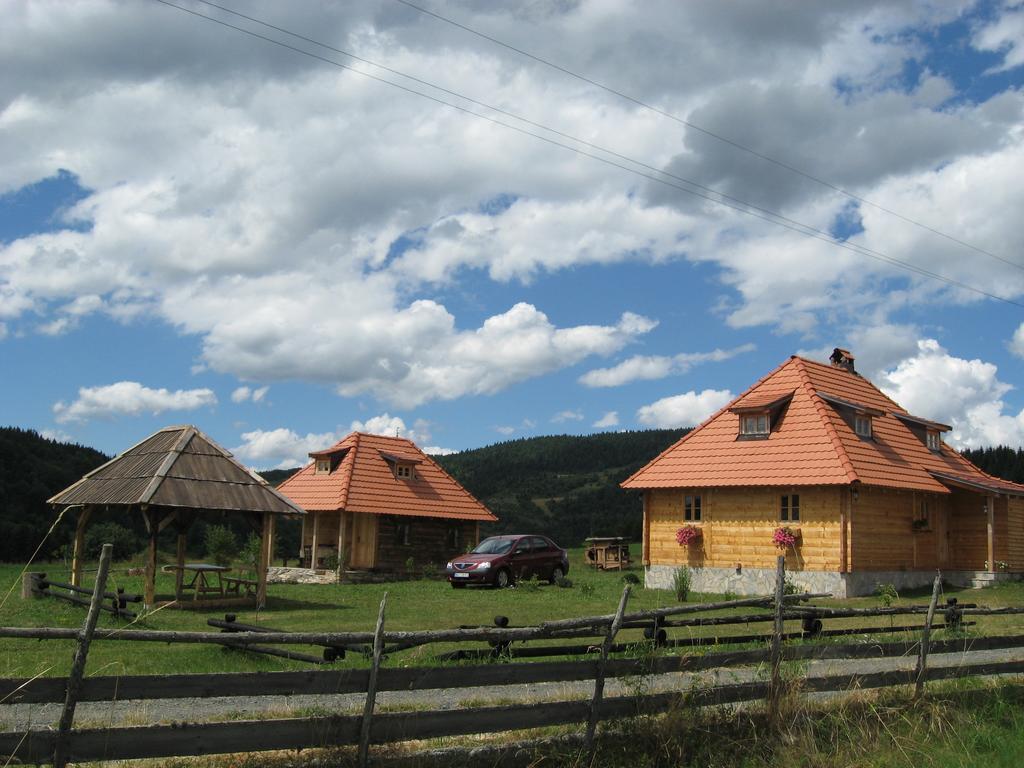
(404, 472)
(755, 424)
(323, 466)
(862, 425)
(932, 440)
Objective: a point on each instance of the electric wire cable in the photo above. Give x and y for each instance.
(693, 188)
(707, 132)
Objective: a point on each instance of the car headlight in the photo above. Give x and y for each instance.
(484, 565)
(448, 567)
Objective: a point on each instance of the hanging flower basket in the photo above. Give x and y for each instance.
(688, 534)
(785, 537)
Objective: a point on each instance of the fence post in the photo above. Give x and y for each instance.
(371, 686)
(775, 688)
(922, 657)
(67, 717)
(606, 647)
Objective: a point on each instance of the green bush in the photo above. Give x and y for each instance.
(887, 594)
(790, 588)
(251, 550)
(631, 578)
(221, 544)
(430, 570)
(681, 581)
(125, 542)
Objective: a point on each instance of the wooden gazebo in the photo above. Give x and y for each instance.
(171, 478)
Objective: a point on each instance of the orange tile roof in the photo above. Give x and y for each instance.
(363, 481)
(811, 443)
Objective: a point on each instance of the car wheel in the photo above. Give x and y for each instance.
(502, 579)
(457, 585)
(557, 574)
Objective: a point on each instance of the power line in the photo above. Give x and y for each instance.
(718, 137)
(691, 187)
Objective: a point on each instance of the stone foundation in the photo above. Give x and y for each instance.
(761, 581)
(276, 575)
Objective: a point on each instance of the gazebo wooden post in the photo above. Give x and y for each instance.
(271, 532)
(181, 525)
(78, 552)
(264, 562)
(341, 543)
(152, 518)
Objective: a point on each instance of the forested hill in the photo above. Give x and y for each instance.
(32, 469)
(565, 486)
(1003, 461)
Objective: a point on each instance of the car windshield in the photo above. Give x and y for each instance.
(493, 546)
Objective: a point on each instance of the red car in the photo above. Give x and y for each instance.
(499, 561)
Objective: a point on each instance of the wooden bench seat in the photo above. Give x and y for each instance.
(238, 586)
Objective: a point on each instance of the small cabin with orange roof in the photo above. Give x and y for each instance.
(373, 502)
(867, 492)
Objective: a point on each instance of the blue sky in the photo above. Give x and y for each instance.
(197, 226)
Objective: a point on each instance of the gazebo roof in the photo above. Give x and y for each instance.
(177, 467)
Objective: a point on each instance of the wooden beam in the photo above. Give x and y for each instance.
(264, 562)
(271, 531)
(152, 518)
(171, 517)
(78, 553)
(341, 543)
(645, 545)
(316, 536)
(990, 509)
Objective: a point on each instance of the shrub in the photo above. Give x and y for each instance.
(331, 563)
(528, 585)
(125, 542)
(630, 578)
(431, 570)
(251, 550)
(790, 588)
(221, 544)
(681, 580)
(887, 594)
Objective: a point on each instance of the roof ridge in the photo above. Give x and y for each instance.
(830, 430)
(346, 480)
(709, 419)
(187, 433)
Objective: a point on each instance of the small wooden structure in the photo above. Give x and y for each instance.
(607, 553)
(171, 478)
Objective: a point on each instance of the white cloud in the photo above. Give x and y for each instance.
(610, 419)
(281, 448)
(646, 368)
(563, 416)
(57, 435)
(129, 398)
(243, 394)
(686, 410)
(1016, 344)
(505, 430)
(966, 394)
(1004, 35)
(3, 331)
(392, 426)
(434, 450)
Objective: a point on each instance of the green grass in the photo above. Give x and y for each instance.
(412, 605)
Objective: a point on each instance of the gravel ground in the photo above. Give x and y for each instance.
(101, 714)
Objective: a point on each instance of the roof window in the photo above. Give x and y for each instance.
(323, 466)
(404, 472)
(932, 440)
(862, 425)
(755, 424)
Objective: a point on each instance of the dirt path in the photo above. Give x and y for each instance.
(100, 714)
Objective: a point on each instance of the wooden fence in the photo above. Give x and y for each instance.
(375, 727)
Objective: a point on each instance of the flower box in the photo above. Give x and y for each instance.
(688, 534)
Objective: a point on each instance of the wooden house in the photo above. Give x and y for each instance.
(870, 493)
(374, 503)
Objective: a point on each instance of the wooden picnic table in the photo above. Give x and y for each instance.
(206, 577)
(607, 553)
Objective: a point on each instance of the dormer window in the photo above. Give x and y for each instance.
(932, 441)
(755, 424)
(862, 425)
(323, 466)
(404, 472)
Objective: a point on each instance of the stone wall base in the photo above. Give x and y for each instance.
(761, 581)
(277, 575)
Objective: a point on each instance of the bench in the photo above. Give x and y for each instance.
(236, 586)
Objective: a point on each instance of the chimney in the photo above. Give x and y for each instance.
(841, 358)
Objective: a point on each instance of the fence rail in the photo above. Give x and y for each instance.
(185, 739)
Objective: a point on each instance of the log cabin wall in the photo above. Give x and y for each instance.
(968, 531)
(884, 534)
(738, 524)
(431, 540)
(1015, 534)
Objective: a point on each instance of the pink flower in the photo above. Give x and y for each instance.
(687, 535)
(785, 537)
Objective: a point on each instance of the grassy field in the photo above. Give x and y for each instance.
(424, 604)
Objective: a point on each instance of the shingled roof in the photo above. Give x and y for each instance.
(813, 443)
(362, 479)
(177, 467)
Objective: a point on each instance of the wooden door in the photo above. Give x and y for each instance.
(364, 541)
